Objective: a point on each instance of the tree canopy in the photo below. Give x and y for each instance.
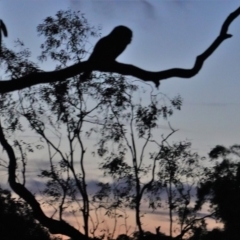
(17, 220)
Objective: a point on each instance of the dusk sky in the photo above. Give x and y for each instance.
(166, 34)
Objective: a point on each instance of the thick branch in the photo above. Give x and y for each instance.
(124, 69)
(54, 226)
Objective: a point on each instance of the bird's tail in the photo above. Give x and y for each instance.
(3, 28)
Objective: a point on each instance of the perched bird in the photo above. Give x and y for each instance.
(108, 48)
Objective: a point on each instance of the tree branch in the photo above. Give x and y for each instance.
(189, 226)
(54, 226)
(121, 68)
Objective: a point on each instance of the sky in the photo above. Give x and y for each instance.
(166, 34)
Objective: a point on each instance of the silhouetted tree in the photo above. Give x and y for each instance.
(63, 104)
(56, 106)
(221, 188)
(203, 234)
(17, 220)
(123, 237)
(126, 124)
(215, 234)
(178, 175)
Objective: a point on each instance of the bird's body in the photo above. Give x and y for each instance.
(108, 48)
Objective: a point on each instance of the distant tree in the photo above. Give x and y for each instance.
(178, 174)
(123, 237)
(203, 234)
(146, 169)
(215, 234)
(128, 131)
(221, 188)
(147, 235)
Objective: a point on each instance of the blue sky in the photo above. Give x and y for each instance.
(166, 34)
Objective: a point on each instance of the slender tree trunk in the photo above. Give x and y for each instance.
(138, 199)
(138, 216)
(85, 209)
(86, 216)
(170, 207)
